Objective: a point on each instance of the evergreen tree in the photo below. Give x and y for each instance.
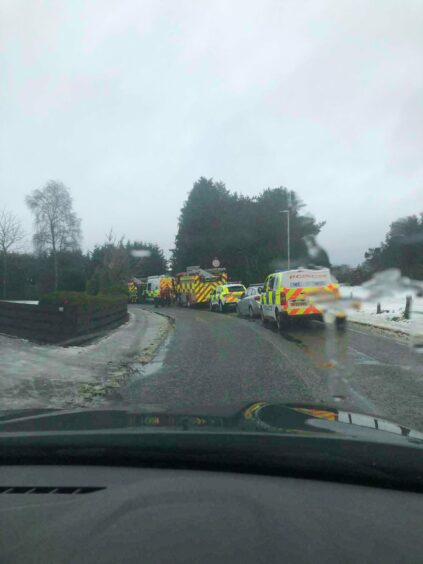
(248, 235)
(402, 248)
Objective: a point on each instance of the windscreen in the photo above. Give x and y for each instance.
(151, 152)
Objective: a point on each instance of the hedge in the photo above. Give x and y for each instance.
(80, 298)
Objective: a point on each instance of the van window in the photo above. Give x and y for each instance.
(271, 283)
(149, 286)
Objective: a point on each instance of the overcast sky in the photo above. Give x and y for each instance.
(129, 102)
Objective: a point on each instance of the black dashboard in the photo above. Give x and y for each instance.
(122, 514)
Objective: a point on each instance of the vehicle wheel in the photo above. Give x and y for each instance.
(250, 313)
(341, 323)
(238, 311)
(280, 321)
(221, 307)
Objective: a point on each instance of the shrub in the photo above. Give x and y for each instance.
(93, 285)
(80, 298)
(116, 289)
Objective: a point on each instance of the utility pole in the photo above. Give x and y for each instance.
(288, 236)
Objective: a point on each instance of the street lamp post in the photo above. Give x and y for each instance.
(288, 237)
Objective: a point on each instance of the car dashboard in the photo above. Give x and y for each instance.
(77, 513)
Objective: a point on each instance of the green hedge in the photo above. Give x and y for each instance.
(78, 298)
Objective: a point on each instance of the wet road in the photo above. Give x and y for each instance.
(212, 359)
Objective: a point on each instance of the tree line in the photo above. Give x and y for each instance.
(58, 262)
(402, 248)
(249, 237)
(247, 234)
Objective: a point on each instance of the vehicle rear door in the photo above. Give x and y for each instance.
(276, 291)
(267, 303)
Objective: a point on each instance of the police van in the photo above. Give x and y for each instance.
(299, 294)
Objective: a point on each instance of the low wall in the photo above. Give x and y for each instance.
(54, 324)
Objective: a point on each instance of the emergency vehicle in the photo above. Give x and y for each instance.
(226, 296)
(300, 293)
(136, 289)
(194, 286)
(158, 287)
(132, 292)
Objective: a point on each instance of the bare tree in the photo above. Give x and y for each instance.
(57, 227)
(115, 269)
(11, 234)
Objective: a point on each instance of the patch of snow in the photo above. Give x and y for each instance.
(392, 315)
(29, 302)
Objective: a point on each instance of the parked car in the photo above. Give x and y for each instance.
(249, 304)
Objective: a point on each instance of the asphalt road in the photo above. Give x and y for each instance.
(213, 359)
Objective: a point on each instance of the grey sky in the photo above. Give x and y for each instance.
(129, 102)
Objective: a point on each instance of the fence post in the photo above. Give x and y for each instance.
(407, 310)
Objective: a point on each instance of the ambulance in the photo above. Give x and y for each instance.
(157, 286)
(299, 294)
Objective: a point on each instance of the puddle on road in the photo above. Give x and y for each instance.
(315, 349)
(329, 348)
(293, 339)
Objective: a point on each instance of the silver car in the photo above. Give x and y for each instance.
(249, 304)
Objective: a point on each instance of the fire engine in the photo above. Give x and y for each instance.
(194, 286)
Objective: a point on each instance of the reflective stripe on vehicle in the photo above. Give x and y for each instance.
(304, 297)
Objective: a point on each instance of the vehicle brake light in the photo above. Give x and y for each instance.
(283, 298)
(257, 298)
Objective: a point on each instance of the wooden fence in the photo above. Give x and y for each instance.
(55, 324)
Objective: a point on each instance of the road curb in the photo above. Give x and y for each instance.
(150, 352)
(121, 374)
(393, 330)
(171, 319)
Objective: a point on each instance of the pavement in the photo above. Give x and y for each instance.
(33, 375)
(201, 361)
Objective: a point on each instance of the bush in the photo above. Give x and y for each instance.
(99, 284)
(118, 288)
(80, 298)
(93, 285)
